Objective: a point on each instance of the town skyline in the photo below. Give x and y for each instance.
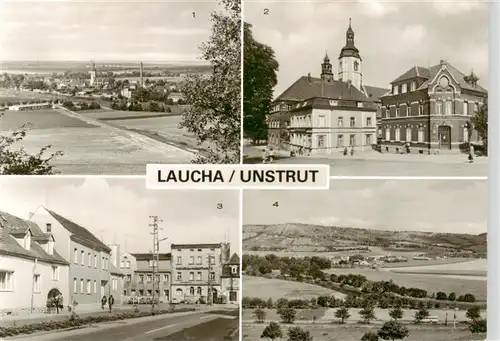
(393, 205)
(128, 205)
(111, 31)
(408, 34)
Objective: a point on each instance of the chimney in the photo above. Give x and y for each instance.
(442, 62)
(309, 77)
(48, 226)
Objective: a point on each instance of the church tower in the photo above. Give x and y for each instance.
(350, 61)
(326, 70)
(93, 74)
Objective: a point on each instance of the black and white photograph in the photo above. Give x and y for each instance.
(372, 88)
(106, 87)
(105, 259)
(366, 260)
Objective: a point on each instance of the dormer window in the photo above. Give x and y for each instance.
(27, 241)
(48, 226)
(50, 247)
(395, 90)
(403, 89)
(413, 86)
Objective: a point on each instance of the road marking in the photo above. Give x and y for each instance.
(158, 329)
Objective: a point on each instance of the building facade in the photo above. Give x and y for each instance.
(89, 258)
(141, 281)
(31, 270)
(197, 271)
(429, 110)
(230, 280)
(323, 115)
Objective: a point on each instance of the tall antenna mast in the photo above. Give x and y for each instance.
(156, 255)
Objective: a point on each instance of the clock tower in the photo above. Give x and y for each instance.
(350, 61)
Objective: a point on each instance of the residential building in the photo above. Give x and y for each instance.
(323, 115)
(117, 277)
(140, 281)
(33, 106)
(230, 280)
(89, 270)
(31, 269)
(197, 271)
(429, 110)
(175, 97)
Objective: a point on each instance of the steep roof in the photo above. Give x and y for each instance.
(235, 259)
(308, 87)
(80, 233)
(8, 244)
(374, 93)
(431, 72)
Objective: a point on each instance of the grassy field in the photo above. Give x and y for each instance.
(272, 315)
(275, 288)
(354, 332)
(477, 267)
(10, 95)
(39, 119)
(431, 283)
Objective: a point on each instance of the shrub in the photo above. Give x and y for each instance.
(272, 331)
(288, 315)
(298, 334)
(393, 330)
(369, 336)
(260, 315)
(478, 326)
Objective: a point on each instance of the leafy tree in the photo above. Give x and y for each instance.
(393, 330)
(421, 314)
(16, 161)
(473, 313)
(367, 313)
(370, 336)
(259, 79)
(452, 296)
(272, 331)
(287, 315)
(342, 313)
(441, 296)
(215, 108)
(396, 313)
(478, 326)
(298, 334)
(480, 123)
(260, 315)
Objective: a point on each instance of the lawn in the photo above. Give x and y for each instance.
(39, 119)
(354, 332)
(275, 288)
(272, 315)
(215, 330)
(432, 283)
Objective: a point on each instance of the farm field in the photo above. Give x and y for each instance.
(354, 332)
(112, 115)
(477, 267)
(88, 149)
(276, 288)
(475, 285)
(328, 315)
(10, 95)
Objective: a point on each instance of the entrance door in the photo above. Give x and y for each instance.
(214, 295)
(444, 134)
(103, 288)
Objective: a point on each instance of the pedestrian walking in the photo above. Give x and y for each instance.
(59, 302)
(104, 300)
(264, 156)
(471, 153)
(111, 301)
(345, 151)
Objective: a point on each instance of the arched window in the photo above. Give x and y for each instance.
(198, 291)
(356, 66)
(178, 292)
(191, 291)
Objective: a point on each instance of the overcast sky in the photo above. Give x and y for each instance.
(392, 36)
(73, 30)
(458, 206)
(120, 208)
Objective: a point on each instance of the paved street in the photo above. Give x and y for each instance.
(202, 326)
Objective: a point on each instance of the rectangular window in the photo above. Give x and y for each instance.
(368, 121)
(321, 141)
(439, 108)
(368, 139)
(420, 134)
(340, 140)
(360, 104)
(75, 285)
(141, 278)
(89, 288)
(75, 256)
(387, 112)
(89, 260)
(403, 88)
(95, 287)
(466, 134)
(387, 134)
(397, 111)
(82, 291)
(395, 90)
(82, 259)
(352, 122)
(191, 276)
(191, 260)
(340, 122)
(212, 259)
(95, 261)
(466, 108)
(179, 260)
(178, 276)
(199, 260)
(322, 121)
(6, 280)
(448, 107)
(398, 135)
(149, 278)
(55, 273)
(165, 277)
(476, 107)
(234, 270)
(408, 110)
(413, 86)
(157, 278)
(420, 110)
(37, 285)
(198, 276)
(211, 276)
(352, 140)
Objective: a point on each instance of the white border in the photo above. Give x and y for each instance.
(240, 321)
(494, 177)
